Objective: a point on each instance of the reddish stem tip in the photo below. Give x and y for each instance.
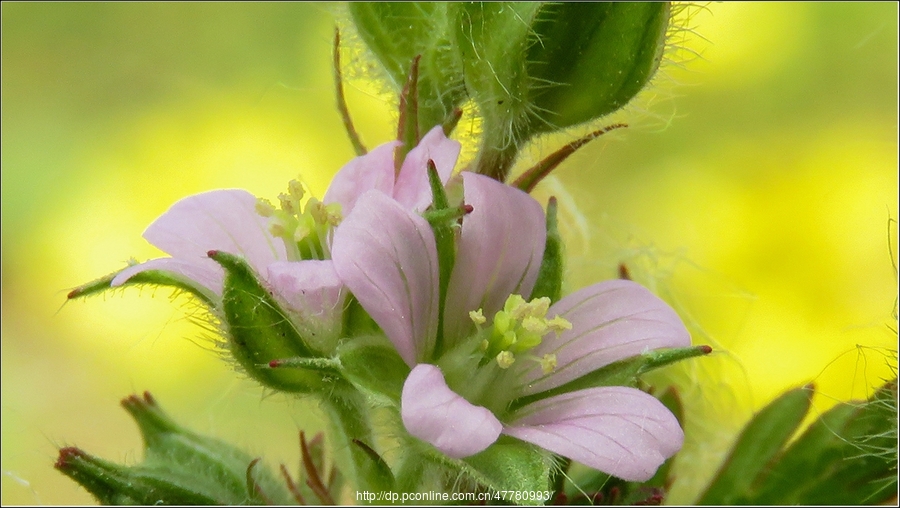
(274, 363)
(706, 349)
(66, 455)
(212, 253)
(468, 208)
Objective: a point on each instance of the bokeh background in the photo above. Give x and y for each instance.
(755, 189)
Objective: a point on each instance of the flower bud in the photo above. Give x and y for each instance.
(397, 32)
(543, 67)
(179, 467)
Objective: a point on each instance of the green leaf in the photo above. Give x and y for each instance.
(759, 443)
(847, 456)
(180, 467)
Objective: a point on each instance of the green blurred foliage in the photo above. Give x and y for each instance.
(753, 189)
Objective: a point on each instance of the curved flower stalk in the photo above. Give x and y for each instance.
(501, 364)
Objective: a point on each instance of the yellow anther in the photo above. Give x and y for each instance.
(295, 189)
(535, 325)
(505, 359)
(477, 317)
(334, 214)
(264, 207)
(515, 306)
(548, 363)
(317, 210)
(288, 204)
(539, 307)
(559, 324)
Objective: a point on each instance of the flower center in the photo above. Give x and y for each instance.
(303, 229)
(518, 328)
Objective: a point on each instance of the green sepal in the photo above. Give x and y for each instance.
(396, 32)
(377, 471)
(180, 467)
(532, 176)
(374, 368)
(757, 446)
(550, 275)
(259, 331)
(408, 123)
(622, 373)
(512, 466)
(443, 222)
(148, 277)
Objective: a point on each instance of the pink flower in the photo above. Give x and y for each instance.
(226, 220)
(230, 221)
(495, 348)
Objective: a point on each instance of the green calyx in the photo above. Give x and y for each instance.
(259, 332)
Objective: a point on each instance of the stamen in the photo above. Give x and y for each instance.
(505, 359)
(288, 204)
(559, 324)
(295, 188)
(264, 207)
(548, 363)
(518, 328)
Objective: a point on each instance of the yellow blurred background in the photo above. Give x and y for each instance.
(755, 189)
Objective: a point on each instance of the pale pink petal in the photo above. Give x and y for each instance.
(202, 275)
(387, 257)
(412, 189)
(375, 170)
(432, 412)
(618, 430)
(224, 220)
(611, 321)
(314, 294)
(499, 252)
